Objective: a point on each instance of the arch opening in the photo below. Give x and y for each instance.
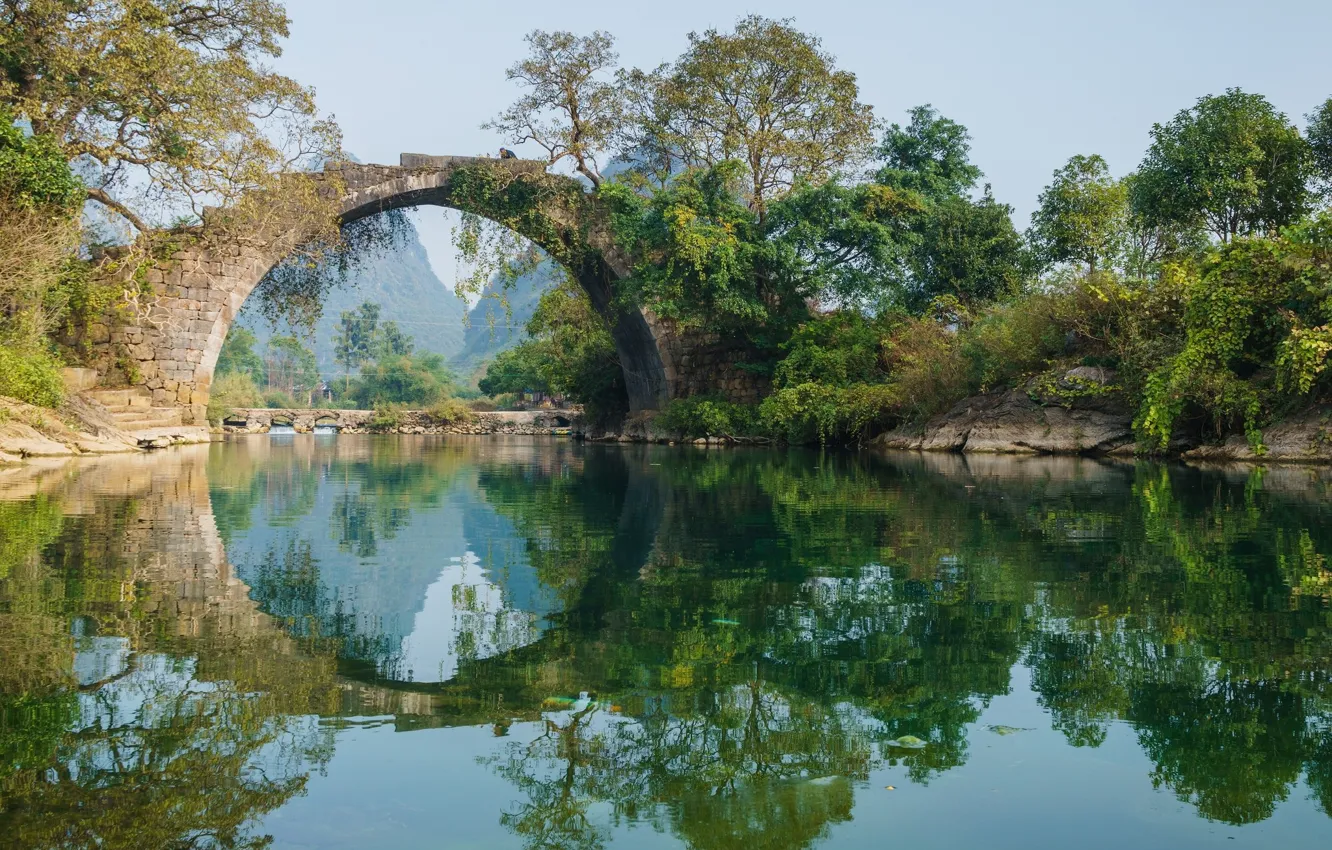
(202, 289)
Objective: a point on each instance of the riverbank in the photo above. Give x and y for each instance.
(1016, 422)
(1012, 422)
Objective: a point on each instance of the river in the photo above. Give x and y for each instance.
(411, 642)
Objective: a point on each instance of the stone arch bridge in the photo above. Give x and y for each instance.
(169, 351)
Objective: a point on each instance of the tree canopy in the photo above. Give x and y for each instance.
(1232, 163)
(164, 105)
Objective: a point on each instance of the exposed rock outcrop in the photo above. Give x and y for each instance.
(77, 428)
(1303, 438)
(1080, 413)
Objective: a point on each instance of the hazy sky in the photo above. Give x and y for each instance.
(1035, 81)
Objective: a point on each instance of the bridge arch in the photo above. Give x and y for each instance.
(173, 347)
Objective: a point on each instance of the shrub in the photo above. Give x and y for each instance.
(32, 376)
(451, 411)
(1012, 341)
(280, 400)
(813, 411)
(707, 416)
(230, 392)
(928, 371)
(385, 418)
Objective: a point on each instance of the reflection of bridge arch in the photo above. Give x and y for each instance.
(201, 289)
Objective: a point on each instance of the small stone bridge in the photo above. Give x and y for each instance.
(171, 348)
(256, 420)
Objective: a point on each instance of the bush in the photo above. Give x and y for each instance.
(707, 416)
(31, 376)
(418, 379)
(385, 418)
(1013, 341)
(451, 411)
(928, 370)
(279, 400)
(818, 412)
(230, 392)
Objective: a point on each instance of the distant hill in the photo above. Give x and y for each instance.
(408, 292)
(490, 331)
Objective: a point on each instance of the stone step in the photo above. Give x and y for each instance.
(133, 411)
(151, 417)
(133, 397)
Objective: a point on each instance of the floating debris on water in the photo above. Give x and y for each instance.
(824, 780)
(1007, 730)
(907, 742)
(723, 621)
(557, 702)
(890, 787)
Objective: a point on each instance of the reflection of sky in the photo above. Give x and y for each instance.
(406, 589)
(463, 614)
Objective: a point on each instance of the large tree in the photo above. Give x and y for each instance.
(163, 105)
(291, 367)
(354, 340)
(1082, 216)
(1320, 141)
(1232, 164)
(950, 242)
(930, 156)
(571, 106)
(764, 95)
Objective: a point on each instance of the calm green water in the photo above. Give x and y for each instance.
(468, 643)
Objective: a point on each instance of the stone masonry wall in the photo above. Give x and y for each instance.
(171, 344)
(699, 363)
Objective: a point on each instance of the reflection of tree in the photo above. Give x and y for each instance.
(908, 599)
(1231, 748)
(160, 759)
(157, 735)
(702, 773)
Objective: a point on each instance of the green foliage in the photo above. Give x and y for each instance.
(1232, 164)
(34, 173)
(1012, 341)
(1249, 306)
(1319, 134)
(815, 412)
(515, 370)
(354, 341)
(570, 351)
(1082, 217)
(417, 380)
(386, 417)
(840, 349)
(390, 341)
(32, 376)
(966, 249)
(706, 416)
(238, 356)
(180, 103)
(451, 411)
(764, 96)
(948, 243)
(930, 156)
(836, 244)
(231, 391)
(291, 369)
(697, 249)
